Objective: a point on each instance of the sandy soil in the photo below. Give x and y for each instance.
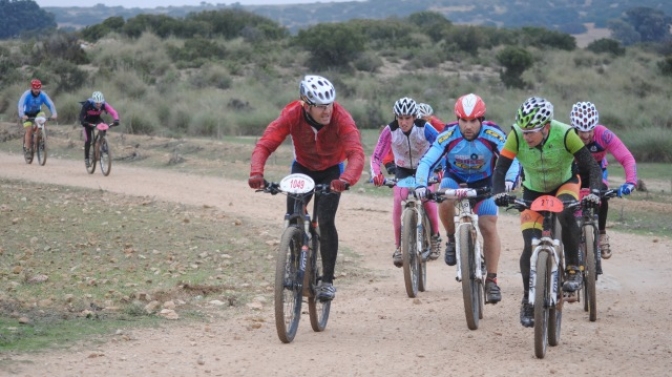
(374, 328)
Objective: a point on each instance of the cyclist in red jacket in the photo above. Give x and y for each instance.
(323, 135)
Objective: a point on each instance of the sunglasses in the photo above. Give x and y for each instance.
(533, 131)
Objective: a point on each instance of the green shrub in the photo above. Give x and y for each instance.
(606, 45)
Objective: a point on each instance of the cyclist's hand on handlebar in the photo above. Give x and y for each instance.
(115, 123)
(625, 189)
(256, 181)
(591, 200)
(338, 185)
(379, 180)
(501, 199)
(421, 192)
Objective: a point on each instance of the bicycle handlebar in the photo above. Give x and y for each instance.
(273, 188)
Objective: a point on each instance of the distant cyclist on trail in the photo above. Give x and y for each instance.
(90, 116)
(30, 106)
(599, 140)
(323, 135)
(408, 137)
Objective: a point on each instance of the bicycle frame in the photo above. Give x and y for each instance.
(464, 216)
(298, 279)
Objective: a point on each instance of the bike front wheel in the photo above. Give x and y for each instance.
(409, 252)
(105, 157)
(287, 284)
(472, 288)
(426, 249)
(317, 310)
(542, 302)
(590, 273)
(41, 146)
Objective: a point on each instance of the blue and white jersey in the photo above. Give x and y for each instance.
(31, 105)
(467, 161)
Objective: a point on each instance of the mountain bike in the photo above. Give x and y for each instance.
(298, 262)
(416, 236)
(38, 142)
(589, 254)
(100, 150)
(471, 269)
(547, 268)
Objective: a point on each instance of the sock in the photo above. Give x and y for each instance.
(492, 277)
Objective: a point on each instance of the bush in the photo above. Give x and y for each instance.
(665, 66)
(606, 45)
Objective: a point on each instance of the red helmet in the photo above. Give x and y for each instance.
(36, 84)
(470, 107)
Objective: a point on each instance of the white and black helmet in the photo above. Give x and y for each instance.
(406, 106)
(534, 113)
(316, 90)
(97, 97)
(424, 110)
(584, 116)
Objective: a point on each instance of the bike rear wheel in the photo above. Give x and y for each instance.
(318, 310)
(472, 289)
(590, 273)
(92, 156)
(426, 246)
(542, 302)
(41, 146)
(409, 253)
(287, 286)
(105, 157)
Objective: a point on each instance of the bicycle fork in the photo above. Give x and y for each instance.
(467, 220)
(543, 246)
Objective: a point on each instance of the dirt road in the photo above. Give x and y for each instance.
(375, 329)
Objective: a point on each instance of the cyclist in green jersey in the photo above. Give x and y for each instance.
(546, 150)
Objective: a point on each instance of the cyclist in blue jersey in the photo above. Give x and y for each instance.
(30, 106)
(471, 146)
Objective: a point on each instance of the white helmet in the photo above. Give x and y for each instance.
(584, 116)
(406, 106)
(97, 97)
(316, 90)
(424, 110)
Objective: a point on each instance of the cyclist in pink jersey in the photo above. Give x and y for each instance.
(599, 140)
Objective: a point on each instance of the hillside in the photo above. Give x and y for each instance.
(569, 16)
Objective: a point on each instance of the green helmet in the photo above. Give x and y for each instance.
(535, 112)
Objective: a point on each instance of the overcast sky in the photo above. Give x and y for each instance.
(165, 3)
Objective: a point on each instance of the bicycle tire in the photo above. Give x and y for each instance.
(471, 288)
(426, 245)
(105, 156)
(317, 310)
(590, 273)
(92, 155)
(288, 297)
(41, 146)
(542, 303)
(409, 253)
(555, 312)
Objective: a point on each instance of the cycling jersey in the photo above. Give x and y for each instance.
(31, 104)
(407, 148)
(314, 149)
(604, 140)
(548, 165)
(90, 114)
(467, 161)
